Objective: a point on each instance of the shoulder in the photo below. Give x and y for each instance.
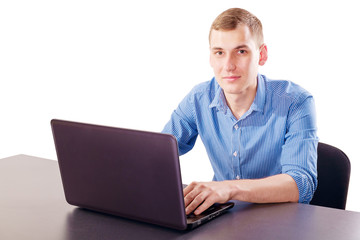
(285, 90)
(205, 87)
(204, 91)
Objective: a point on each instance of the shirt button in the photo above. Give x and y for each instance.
(235, 153)
(236, 127)
(237, 177)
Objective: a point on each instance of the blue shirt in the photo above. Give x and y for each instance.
(276, 135)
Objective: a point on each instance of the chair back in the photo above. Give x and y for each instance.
(333, 177)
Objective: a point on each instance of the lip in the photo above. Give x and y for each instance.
(231, 78)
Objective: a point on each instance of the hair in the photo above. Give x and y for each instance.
(231, 18)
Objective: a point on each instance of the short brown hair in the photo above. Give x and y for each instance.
(229, 20)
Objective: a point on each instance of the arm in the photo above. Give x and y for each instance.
(182, 125)
(299, 153)
(277, 188)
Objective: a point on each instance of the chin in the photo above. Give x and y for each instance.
(233, 91)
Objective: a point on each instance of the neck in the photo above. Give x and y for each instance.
(240, 103)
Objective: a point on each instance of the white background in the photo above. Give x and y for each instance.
(129, 63)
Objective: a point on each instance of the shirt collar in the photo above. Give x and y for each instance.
(259, 101)
(219, 100)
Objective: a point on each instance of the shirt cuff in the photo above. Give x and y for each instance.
(306, 186)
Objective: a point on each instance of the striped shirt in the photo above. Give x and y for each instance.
(276, 135)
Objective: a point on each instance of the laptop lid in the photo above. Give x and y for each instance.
(128, 173)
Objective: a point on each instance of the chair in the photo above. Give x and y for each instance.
(333, 177)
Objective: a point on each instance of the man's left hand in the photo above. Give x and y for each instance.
(201, 195)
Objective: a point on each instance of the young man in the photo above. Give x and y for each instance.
(260, 134)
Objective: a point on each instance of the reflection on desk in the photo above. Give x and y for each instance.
(32, 206)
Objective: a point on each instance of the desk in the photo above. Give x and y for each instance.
(32, 206)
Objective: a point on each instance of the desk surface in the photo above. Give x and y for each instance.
(32, 206)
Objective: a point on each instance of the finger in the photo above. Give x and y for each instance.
(195, 203)
(205, 205)
(188, 188)
(190, 192)
(190, 198)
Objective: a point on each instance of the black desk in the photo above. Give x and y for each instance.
(32, 206)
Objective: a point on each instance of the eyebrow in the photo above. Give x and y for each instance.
(238, 47)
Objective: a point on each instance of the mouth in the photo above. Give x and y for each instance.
(231, 78)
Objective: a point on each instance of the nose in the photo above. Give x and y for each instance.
(230, 65)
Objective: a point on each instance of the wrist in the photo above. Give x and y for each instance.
(239, 190)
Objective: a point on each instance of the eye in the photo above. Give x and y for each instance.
(242, 51)
(219, 53)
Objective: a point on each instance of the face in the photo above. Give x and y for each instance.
(235, 57)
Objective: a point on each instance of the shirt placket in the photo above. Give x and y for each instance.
(235, 138)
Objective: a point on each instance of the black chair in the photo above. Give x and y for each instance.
(333, 177)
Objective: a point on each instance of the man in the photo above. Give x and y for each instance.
(260, 134)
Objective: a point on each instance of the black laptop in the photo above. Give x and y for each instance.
(129, 173)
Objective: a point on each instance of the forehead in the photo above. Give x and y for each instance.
(224, 39)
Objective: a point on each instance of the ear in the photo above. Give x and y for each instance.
(263, 54)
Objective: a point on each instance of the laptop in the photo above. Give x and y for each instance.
(128, 173)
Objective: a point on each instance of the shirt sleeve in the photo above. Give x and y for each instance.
(182, 124)
(299, 153)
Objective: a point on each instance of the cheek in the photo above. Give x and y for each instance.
(216, 65)
(250, 64)
(211, 60)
